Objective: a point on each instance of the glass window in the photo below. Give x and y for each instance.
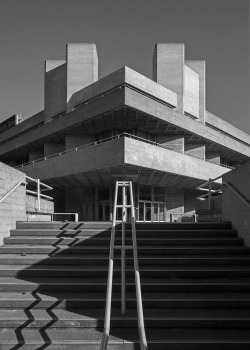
(147, 211)
(141, 211)
(161, 212)
(156, 211)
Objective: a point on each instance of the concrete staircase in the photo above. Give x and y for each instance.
(195, 287)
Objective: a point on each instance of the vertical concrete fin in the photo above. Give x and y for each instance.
(54, 88)
(191, 92)
(82, 67)
(168, 68)
(200, 68)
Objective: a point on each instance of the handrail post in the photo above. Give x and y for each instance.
(209, 193)
(39, 194)
(123, 247)
(123, 274)
(106, 329)
(143, 340)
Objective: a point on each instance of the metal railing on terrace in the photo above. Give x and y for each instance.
(119, 87)
(209, 192)
(119, 136)
(115, 89)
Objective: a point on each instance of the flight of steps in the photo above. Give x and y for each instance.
(195, 287)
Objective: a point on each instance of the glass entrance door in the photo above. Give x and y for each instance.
(144, 210)
(158, 211)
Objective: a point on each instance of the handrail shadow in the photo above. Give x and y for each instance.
(118, 322)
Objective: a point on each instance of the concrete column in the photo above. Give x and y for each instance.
(34, 155)
(173, 141)
(82, 67)
(200, 68)
(53, 148)
(168, 69)
(196, 149)
(190, 200)
(73, 141)
(213, 157)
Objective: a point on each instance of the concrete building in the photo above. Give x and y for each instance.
(125, 126)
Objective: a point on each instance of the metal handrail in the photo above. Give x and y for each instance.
(39, 190)
(106, 329)
(75, 214)
(123, 247)
(12, 189)
(208, 195)
(142, 335)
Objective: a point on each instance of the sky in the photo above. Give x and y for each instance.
(125, 32)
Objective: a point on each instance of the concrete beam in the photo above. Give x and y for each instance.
(27, 124)
(156, 109)
(226, 127)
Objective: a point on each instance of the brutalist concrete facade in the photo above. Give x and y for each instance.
(156, 133)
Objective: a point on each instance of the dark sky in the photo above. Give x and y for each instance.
(125, 32)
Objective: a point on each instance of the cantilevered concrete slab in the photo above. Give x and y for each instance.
(123, 152)
(120, 89)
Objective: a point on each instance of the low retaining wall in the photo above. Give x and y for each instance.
(13, 208)
(46, 207)
(233, 209)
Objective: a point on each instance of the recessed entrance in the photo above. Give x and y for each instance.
(151, 203)
(104, 211)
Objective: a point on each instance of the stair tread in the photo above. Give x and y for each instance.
(54, 296)
(59, 336)
(97, 267)
(146, 247)
(131, 314)
(42, 257)
(90, 335)
(129, 238)
(69, 310)
(145, 281)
